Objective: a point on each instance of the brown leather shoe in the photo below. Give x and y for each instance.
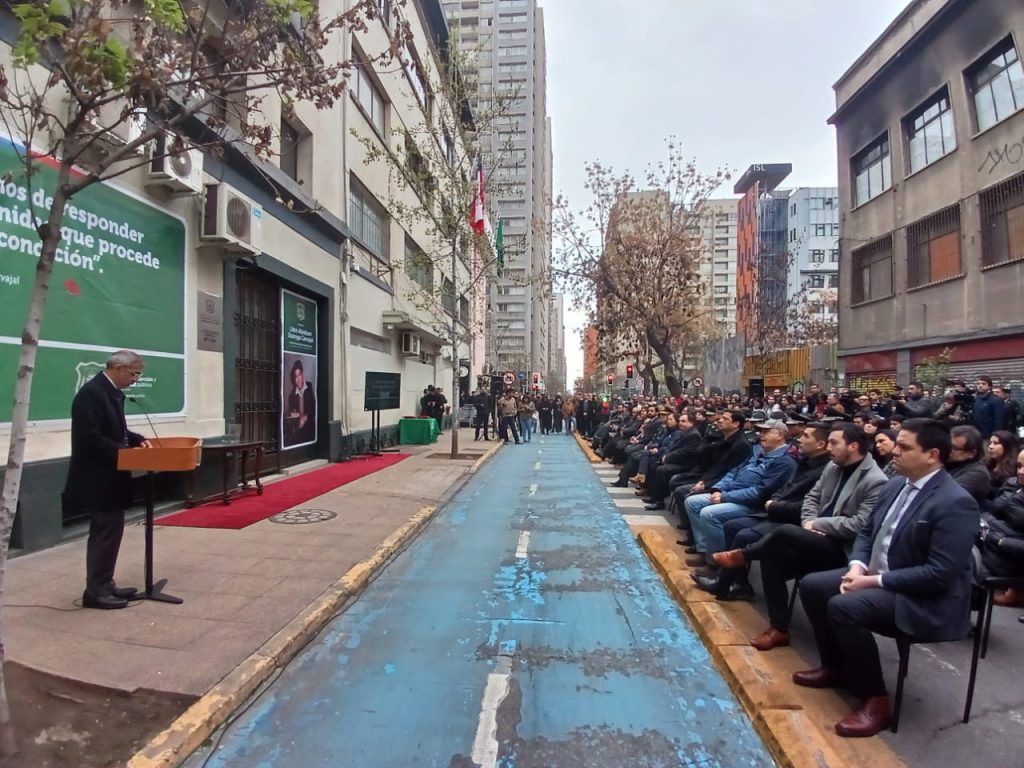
(1011, 598)
(874, 715)
(732, 559)
(770, 638)
(696, 561)
(820, 677)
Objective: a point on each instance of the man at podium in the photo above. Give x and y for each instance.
(94, 485)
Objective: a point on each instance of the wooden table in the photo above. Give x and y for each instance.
(232, 454)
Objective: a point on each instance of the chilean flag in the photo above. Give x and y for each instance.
(478, 214)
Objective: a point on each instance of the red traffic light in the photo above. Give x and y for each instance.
(536, 379)
(536, 387)
(611, 377)
(629, 371)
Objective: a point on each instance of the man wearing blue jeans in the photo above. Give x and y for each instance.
(741, 493)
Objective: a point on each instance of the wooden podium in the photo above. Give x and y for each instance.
(166, 454)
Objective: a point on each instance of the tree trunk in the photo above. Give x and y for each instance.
(455, 350)
(664, 352)
(50, 236)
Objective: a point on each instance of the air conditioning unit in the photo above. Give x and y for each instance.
(232, 219)
(180, 171)
(410, 344)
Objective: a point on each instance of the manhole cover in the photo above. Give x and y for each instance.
(303, 516)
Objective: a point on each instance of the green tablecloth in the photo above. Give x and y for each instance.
(417, 431)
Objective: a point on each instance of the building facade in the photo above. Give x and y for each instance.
(929, 123)
(503, 42)
(719, 231)
(761, 250)
(311, 282)
(558, 370)
(812, 283)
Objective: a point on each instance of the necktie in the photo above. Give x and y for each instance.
(880, 546)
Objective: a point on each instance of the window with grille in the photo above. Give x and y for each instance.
(872, 170)
(933, 248)
(997, 81)
(1002, 222)
(872, 271)
(448, 296)
(368, 221)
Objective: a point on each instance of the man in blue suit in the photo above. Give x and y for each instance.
(909, 572)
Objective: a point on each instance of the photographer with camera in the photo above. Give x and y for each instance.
(915, 405)
(988, 412)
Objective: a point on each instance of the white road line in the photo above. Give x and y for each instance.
(614, 491)
(485, 745)
(533, 489)
(633, 503)
(537, 465)
(652, 520)
(523, 546)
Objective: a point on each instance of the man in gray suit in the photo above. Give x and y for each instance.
(909, 572)
(833, 513)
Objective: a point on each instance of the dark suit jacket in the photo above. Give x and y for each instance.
(686, 452)
(306, 405)
(98, 432)
(929, 557)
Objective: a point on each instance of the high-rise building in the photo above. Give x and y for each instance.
(813, 280)
(557, 367)
(504, 44)
(719, 225)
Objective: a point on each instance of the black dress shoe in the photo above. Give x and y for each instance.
(654, 505)
(103, 602)
(619, 484)
(737, 591)
(707, 584)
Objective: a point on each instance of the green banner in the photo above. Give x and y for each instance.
(118, 282)
(299, 323)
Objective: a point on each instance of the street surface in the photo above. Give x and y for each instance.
(523, 629)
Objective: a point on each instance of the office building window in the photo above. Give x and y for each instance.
(512, 50)
(872, 271)
(368, 221)
(930, 132)
(817, 257)
(872, 170)
(833, 281)
(817, 281)
(289, 159)
(833, 255)
(997, 81)
(1002, 222)
(418, 266)
(448, 296)
(368, 96)
(933, 248)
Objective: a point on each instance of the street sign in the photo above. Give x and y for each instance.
(510, 377)
(698, 381)
(522, 375)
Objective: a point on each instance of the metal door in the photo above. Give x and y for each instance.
(258, 364)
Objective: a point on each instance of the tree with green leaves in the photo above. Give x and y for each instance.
(169, 75)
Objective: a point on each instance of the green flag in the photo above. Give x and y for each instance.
(499, 244)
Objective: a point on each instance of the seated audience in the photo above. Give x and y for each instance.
(965, 462)
(1001, 541)
(1001, 458)
(909, 572)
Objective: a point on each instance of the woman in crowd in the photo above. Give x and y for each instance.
(885, 441)
(556, 413)
(1001, 537)
(1002, 458)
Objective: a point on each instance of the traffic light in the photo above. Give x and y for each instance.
(629, 371)
(536, 387)
(536, 379)
(611, 378)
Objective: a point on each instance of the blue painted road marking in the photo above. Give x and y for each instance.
(523, 629)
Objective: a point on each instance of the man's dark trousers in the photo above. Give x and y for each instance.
(843, 627)
(791, 552)
(102, 547)
(657, 481)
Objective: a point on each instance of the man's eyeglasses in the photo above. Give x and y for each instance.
(135, 374)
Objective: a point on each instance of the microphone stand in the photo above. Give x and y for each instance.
(153, 591)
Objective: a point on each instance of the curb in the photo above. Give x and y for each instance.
(186, 734)
(795, 736)
(587, 450)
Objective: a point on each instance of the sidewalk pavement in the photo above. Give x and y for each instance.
(240, 587)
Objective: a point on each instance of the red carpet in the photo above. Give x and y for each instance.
(279, 496)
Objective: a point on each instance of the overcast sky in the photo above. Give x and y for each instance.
(738, 81)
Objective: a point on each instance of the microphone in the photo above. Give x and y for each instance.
(144, 413)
